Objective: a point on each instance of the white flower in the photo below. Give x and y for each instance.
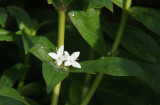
(71, 60)
(59, 57)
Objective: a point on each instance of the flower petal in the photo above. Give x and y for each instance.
(53, 55)
(60, 51)
(75, 55)
(76, 64)
(67, 63)
(66, 53)
(59, 62)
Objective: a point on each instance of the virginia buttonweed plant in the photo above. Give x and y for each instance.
(79, 52)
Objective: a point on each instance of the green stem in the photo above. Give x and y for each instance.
(120, 28)
(61, 34)
(112, 53)
(61, 28)
(92, 89)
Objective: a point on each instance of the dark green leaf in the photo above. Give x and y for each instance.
(101, 3)
(41, 48)
(53, 74)
(148, 16)
(118, 2)
(3, 17)
(136, 42)
(10, 76)
(10, 96)
(88, 24)
(22, 18)
(111, 65)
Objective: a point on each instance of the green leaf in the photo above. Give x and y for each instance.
(148, 16)
(28, 42)
(136, 42)
(10, 96)
(10, 76)
(6, 35)
(101, 3)
(153, 70)
(88, 24)
(22, 18)
(118, 2)
(114, 66)
(41, 48)
(53, 74)
(3, 16)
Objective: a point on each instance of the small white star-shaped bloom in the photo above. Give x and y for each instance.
(71, 60)
(59, 57)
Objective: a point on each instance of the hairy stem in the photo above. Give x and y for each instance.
(61, 34)
(111, 53)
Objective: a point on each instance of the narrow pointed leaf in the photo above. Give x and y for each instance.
(22, 18)
(114, 66)
(9, 77)
(136, 42)
(101, 3)
(148, 16)
(3, 16)
(53, 74)
(10, 96)
(88, 24)
(118, 2)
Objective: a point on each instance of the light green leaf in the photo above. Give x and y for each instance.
(114, 66)
(10, 76)
(88, 24)
(6, 35)
(101, 3)
(148, 16)
(136, 42)
(42, 47)
(3, 16)
(53, 74)
(10, 96)
(22, 18)
(118, 2)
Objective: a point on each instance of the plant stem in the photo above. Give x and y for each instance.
(61, 34)
(92, 89)
(120, 28)
(61, 28)
(112, 53)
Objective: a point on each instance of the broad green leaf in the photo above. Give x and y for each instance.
(148, 16)
(30, 101)
(114, 66)
(153, 70)
(28, 42)
(10, 76)
(118, 2)
(6, 35)
(3, 17)
(136, 42)
(101, 3)
(41, 48)
(88, 24)
(10, 96)
(22, 18)
(53, 74)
